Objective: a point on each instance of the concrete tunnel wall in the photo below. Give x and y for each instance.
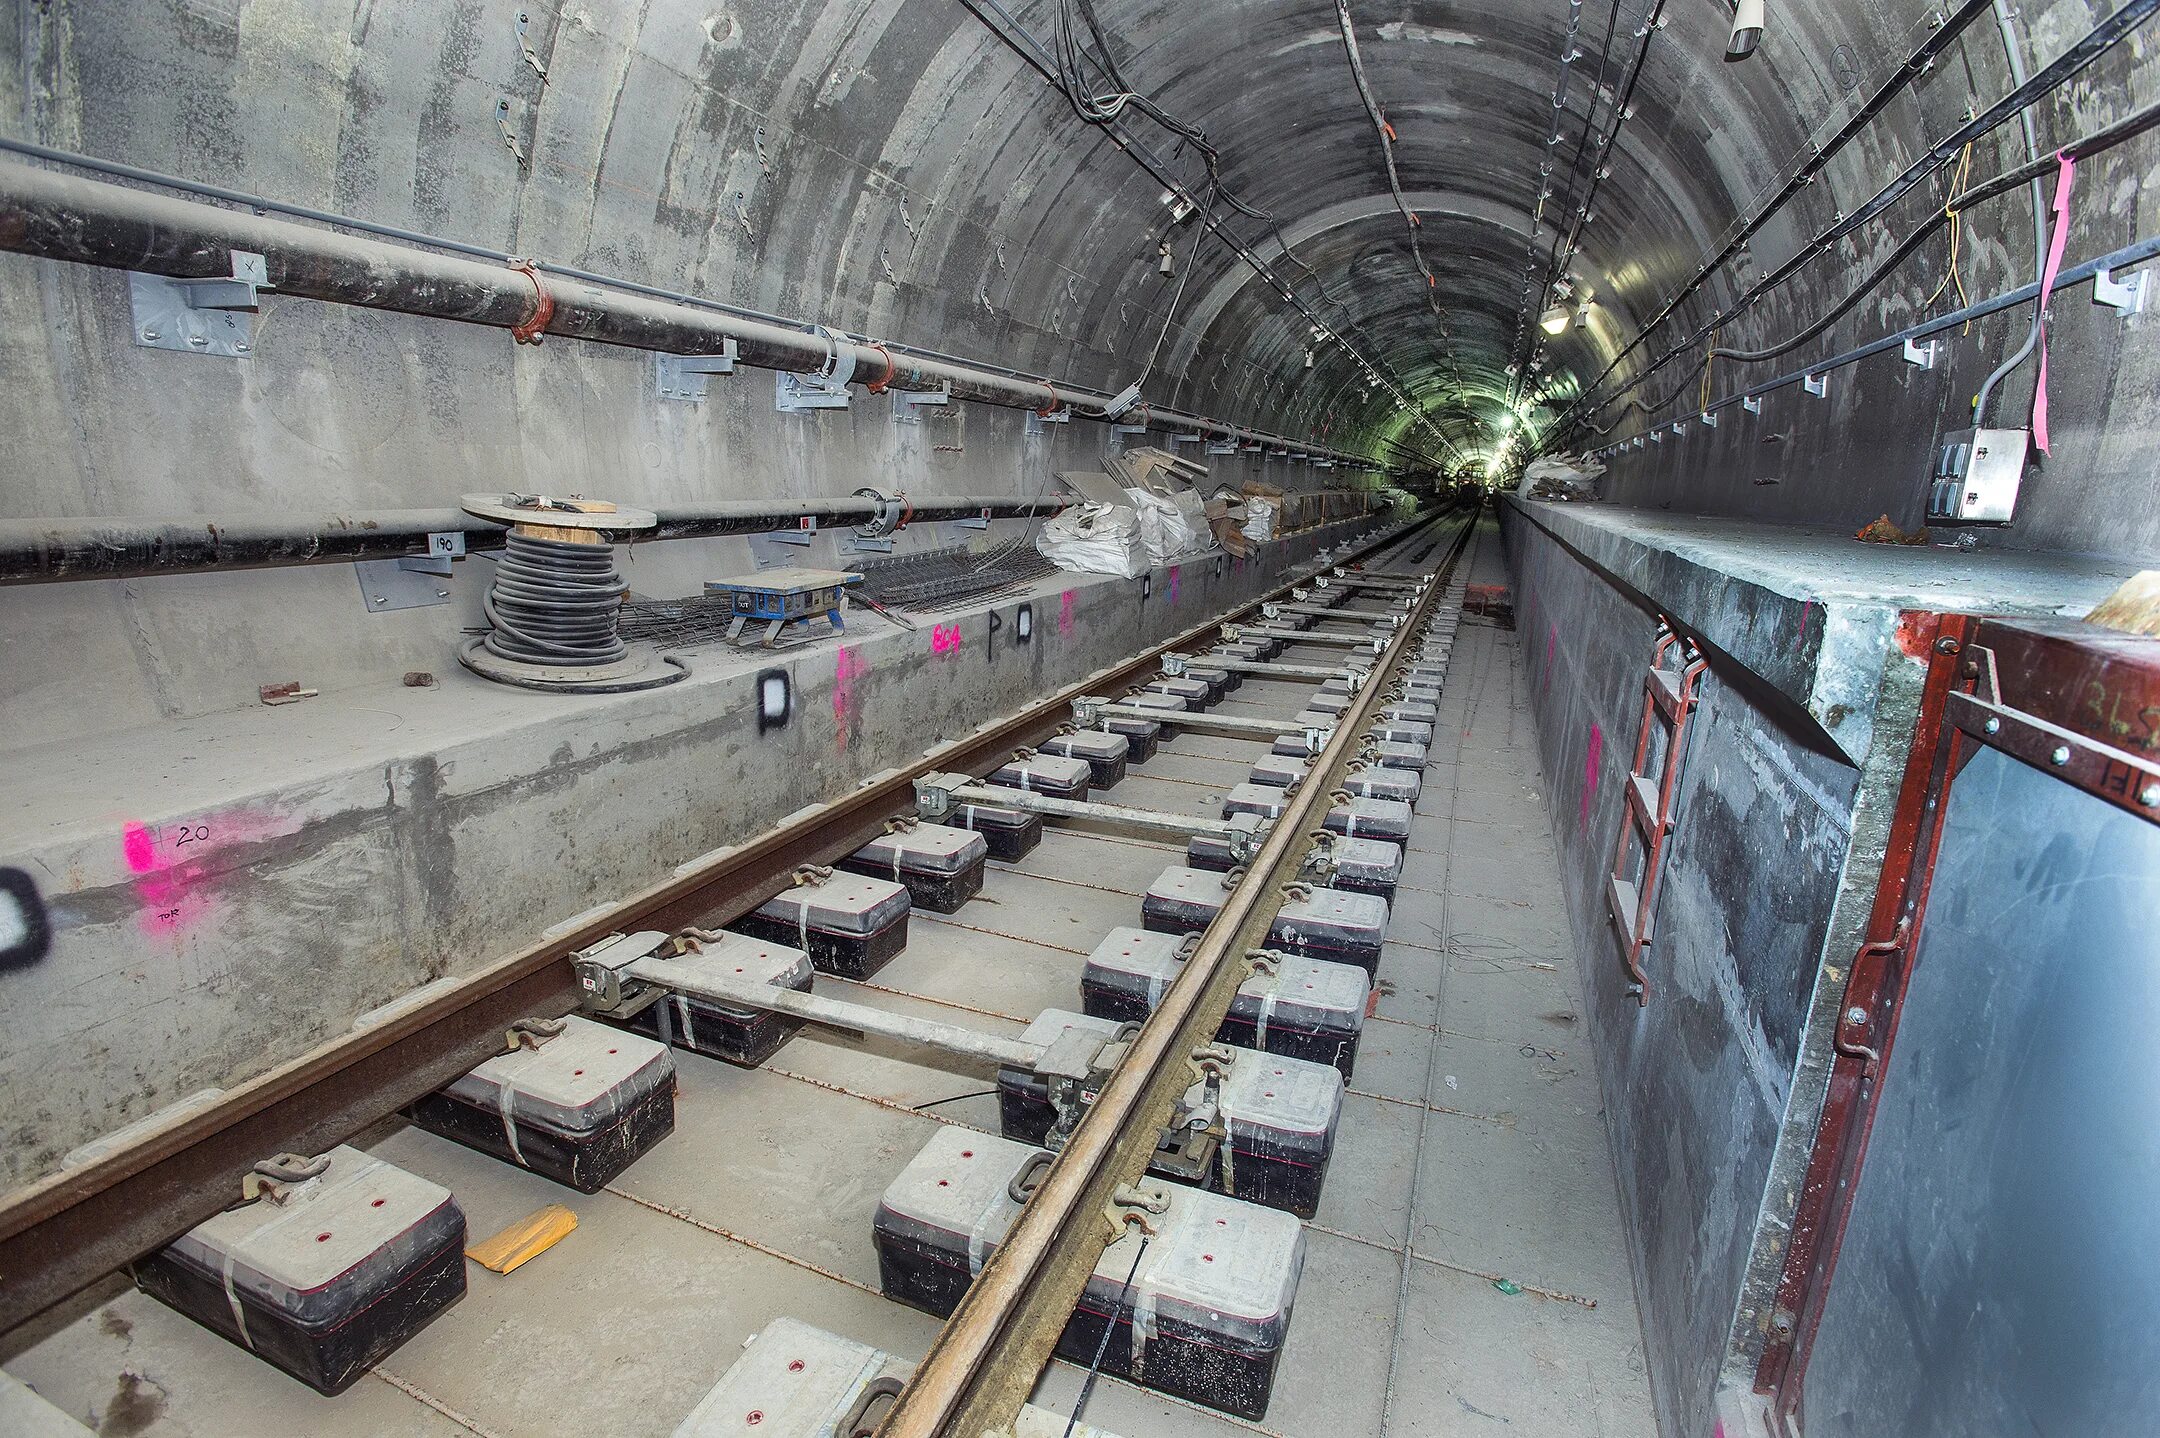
(895, 168)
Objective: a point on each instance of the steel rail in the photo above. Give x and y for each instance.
(991, 1351)
(64, 1232)
(56, 216)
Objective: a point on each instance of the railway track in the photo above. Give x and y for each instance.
(1314, 695)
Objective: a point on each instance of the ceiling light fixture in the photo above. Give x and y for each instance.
(1747, 30)
(1554, 320)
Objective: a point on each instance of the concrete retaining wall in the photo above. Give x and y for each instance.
(228, 890)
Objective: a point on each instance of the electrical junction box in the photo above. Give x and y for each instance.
(1977, 473)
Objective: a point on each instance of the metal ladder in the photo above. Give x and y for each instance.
(1670, 694)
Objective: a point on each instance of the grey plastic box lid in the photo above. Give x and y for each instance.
(1087, 744)
(738, 956)
(843, 904)
(1329, 704)
(1417, 709)
(1279, 771)
(1273, 1099)
(1400, 753)
(1331, 914)
(1156, 699)
(1042, 771)
(1385, 782)
(577, 1082)
(1311, 718)
(1215, 1263)
(926, 849)
(1263, 799)
(1193, 691)
(1371, 819)
(274, 1251)
(803, 1382)
(1409, 731)
(1375, 861)
(1047, 1027)
(1307, 993)
(1196, 891)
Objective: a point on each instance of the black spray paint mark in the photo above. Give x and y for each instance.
(25, 929)
(997, 622)
(775, 700)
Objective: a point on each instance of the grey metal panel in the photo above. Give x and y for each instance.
(2001, 1273)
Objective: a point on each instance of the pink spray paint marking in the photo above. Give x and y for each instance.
(1174, 581)
(137, 847)
(1065, 613)
(846, 669)
(2063, 175)
(1552, 638)
(945, 639)
(1590, 769)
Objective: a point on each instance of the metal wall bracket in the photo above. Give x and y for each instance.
(774, 548)
(414, 582)
(683, 376)
(532, 56)
(2125, 296)
(973, 521)
(905, 402)
(1657, 436)
(1679, 426)
(1221, 446)
(1922, 355)
(1128, 429)
(1751, 403)
(1192, 437)
(796, 393)
(200, 316)
(855, 542)
(1817, 385)
(1709, 419)
(1036, 420)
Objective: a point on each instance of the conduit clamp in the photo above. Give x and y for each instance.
(826, 388)
(1049, 410)
(877, 386)
(893, 513)
(536, 323)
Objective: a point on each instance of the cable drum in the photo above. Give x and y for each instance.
(556, 602)
(555, 605)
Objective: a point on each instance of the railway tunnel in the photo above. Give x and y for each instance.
(1078, 717)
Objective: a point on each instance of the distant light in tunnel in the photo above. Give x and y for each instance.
(1554, 320)
(1746, 30)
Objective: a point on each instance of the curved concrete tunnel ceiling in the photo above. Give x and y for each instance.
(903, 170)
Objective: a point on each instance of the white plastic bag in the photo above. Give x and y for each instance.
(1565, 476)
(1095, 539)
(1170, 528)
(1259, 525)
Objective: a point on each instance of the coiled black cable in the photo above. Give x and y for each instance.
(556, 602)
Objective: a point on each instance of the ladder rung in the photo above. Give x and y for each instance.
(1642, 796)
(1665, 689)
(1624, 899)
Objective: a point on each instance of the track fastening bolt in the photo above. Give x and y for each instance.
(2150, 796)
(1993, 726)
(1856, 1015)
(2060, 755)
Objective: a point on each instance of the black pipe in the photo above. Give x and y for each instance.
(93, 222)
(37, 550)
